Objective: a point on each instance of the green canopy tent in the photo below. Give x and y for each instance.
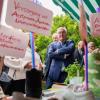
(71, 7)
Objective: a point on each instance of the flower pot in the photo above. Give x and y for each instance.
(84, 95)
(76, 80)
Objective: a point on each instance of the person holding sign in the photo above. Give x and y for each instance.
(34, 76)
(38, 61)
(15, 70)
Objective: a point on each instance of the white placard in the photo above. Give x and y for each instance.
(12, 42)
(25, 14)
(95, 24)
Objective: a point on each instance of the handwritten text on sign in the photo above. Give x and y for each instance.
(95, 24)
(29, 16)
(12, 43)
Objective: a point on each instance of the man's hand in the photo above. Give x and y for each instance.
(66, 55)
(56, 51)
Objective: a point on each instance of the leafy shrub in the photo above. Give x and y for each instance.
(72, 71)
(96, 54)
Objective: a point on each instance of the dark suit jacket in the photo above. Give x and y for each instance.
(56, 53)
(79, 57)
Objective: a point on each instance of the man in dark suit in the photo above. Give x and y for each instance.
(60, 53)
(79, 53)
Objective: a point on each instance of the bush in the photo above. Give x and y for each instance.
(72, 71)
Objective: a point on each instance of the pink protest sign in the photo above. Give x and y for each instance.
(83, 34)
(25, 14)
(83, 26)
(95, 24)
(12, 42)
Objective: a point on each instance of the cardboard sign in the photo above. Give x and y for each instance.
(95, 24)
(83, 26)
(26, 15)
(12, 42)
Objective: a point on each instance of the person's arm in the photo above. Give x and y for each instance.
(67, 49)
(53, 54)
(15, 63)
(58, 56)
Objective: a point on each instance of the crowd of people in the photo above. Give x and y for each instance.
(60, 53)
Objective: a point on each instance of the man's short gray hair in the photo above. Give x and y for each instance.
(61, 28)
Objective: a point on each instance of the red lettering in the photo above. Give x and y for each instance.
(96, 25)
(9, 38)
(45, 17)
(11, 47)
(23, 17)
(6, 41)
(17, 5)
(98, 30)
(30, 19)
(26, 10)
(97, 20)
(14, 13)
(33, 25)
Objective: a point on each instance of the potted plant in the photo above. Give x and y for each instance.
(75, 73)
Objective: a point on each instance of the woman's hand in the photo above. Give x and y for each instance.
(28, 66)
(39, 66)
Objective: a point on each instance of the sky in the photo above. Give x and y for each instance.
(51, 6)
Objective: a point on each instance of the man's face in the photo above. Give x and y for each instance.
(91, 48)
(62, 35)
(55, 38)
(81, 45)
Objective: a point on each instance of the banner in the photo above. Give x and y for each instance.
(95, 24)
(83, 26)
(26, 15)
(12, 42)
(83, 34)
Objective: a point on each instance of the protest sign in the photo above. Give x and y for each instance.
(25, 14)
(83, 34)
(95, 24)
(83, 26)
(12, 42)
